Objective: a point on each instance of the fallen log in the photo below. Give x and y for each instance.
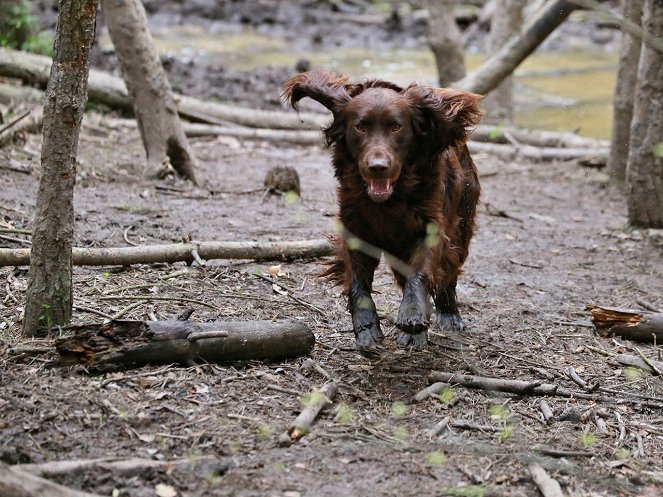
(136, 343)
(17, 483)
(528, 152)
(110, 90)
(537, 138)
(632, 324)
(177, 252)
(298, 137)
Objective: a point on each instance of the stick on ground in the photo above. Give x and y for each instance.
(547, 485)
(317, 402)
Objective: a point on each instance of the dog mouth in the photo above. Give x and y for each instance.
(379, 190)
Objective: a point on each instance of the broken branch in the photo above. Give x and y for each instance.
(631, 324)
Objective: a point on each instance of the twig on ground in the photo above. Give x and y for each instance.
(547, 412)
(648, 305)
(316, 402)
(548, 486)
(553, 452)
(90, 310)
(15, 240)
(439, 427)
(128, 308)
(150, 298)
(14, 121)
(571, 373)
(649, 362)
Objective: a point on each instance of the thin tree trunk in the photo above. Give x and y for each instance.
(445, 41)
(49, 294)
(505, 23)
(627, 76)
(153, 102)
(504, 62)
(644, 171)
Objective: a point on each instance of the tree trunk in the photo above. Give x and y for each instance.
(644, 170)
(49, 294)
(505, 23)
(445, 41)
(137, 343)
(504, 62)
(624, 93)
(154, 106)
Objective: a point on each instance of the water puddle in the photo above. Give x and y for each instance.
(570, 91)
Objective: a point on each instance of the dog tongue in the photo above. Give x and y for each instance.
(379, 185)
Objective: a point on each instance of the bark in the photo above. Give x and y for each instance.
(136, 343)
(505, 24)
(644, 170)
(17, 483)
(631, 324)
(150, 254)
(49, 294)
(153, 103)
(622, 104)
(445, 41)
(504, 61)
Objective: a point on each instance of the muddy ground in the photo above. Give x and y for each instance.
(552, 238)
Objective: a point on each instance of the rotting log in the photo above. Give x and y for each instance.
(136, 343)
(632, 324)
(17, 483)
(177, 252)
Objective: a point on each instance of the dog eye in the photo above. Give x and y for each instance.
(395, 127)
(361, 127)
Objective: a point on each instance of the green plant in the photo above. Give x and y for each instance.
(19, 30)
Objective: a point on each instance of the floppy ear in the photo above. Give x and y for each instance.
(444, 114)
(331, 90)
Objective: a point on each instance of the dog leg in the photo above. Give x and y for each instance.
(414, 313)
(365, 321)
(448, 316)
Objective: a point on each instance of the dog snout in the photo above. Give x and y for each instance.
(378, 165)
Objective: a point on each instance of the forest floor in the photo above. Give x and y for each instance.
(552, 239)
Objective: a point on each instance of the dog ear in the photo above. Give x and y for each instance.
(331, 90)
(444, 114)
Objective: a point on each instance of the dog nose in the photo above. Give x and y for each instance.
(378, 165)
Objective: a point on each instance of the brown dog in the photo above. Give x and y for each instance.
(408, 186)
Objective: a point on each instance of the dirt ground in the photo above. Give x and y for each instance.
(552, 238)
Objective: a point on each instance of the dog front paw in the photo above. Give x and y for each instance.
(368, 336)
(450, 322)
(418, 341)
(411, 319)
